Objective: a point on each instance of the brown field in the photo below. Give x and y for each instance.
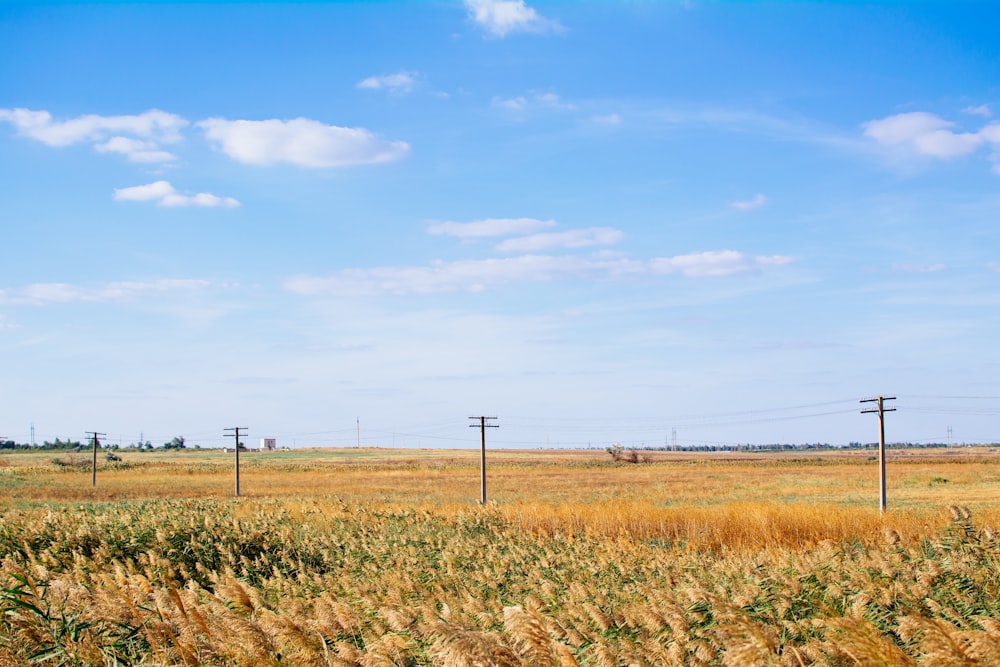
(372, 557)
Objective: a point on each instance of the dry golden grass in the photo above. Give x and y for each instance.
(735, 499)
(385, 558)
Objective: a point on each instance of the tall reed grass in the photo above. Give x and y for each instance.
(331, 582)
(576, 562)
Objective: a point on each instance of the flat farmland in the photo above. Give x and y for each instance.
(374, 556)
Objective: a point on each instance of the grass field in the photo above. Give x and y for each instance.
(384, 557)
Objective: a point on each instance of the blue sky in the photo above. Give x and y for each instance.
(599, 221)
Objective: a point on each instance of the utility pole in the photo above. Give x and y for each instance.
(482, 458)
(93, 470)
(236, 434)
(881, 410)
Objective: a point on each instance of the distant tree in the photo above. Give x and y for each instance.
(61, 444)
(176, 443)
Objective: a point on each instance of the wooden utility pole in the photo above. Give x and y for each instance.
(881, 410)
(93, 470)
(482, 457)
(236, 434)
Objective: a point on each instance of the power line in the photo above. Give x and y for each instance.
(955, 398)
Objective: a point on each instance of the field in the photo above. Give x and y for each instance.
(385, 557)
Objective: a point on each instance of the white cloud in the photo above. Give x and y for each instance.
(991, 133)
(715, 263)
(923, 133)
(577, 238)
(164, 194)
(152, 191)
(42, 293)
(108, 133)
(204, 199)
(981, 110)
(489, 227)
(750, 204)
(153, 124)
(398, 83)
(480, 274)
(500, 17)
(137, 150)
(302, 142)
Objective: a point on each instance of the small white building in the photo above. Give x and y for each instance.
(268, 444)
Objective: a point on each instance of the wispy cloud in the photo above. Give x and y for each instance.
(519, 103)
(43, 293)
(522, 103)
(610, 119)
(716, 263)
(477, 275)
(399, 83)
(136, 136)
(553, 101)
(502, 17)
(750, 204)
(576, 238)
(919, 268)
(302, 142)
(474, 275)
(164, 194)
(981, 110)
(490, 227)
